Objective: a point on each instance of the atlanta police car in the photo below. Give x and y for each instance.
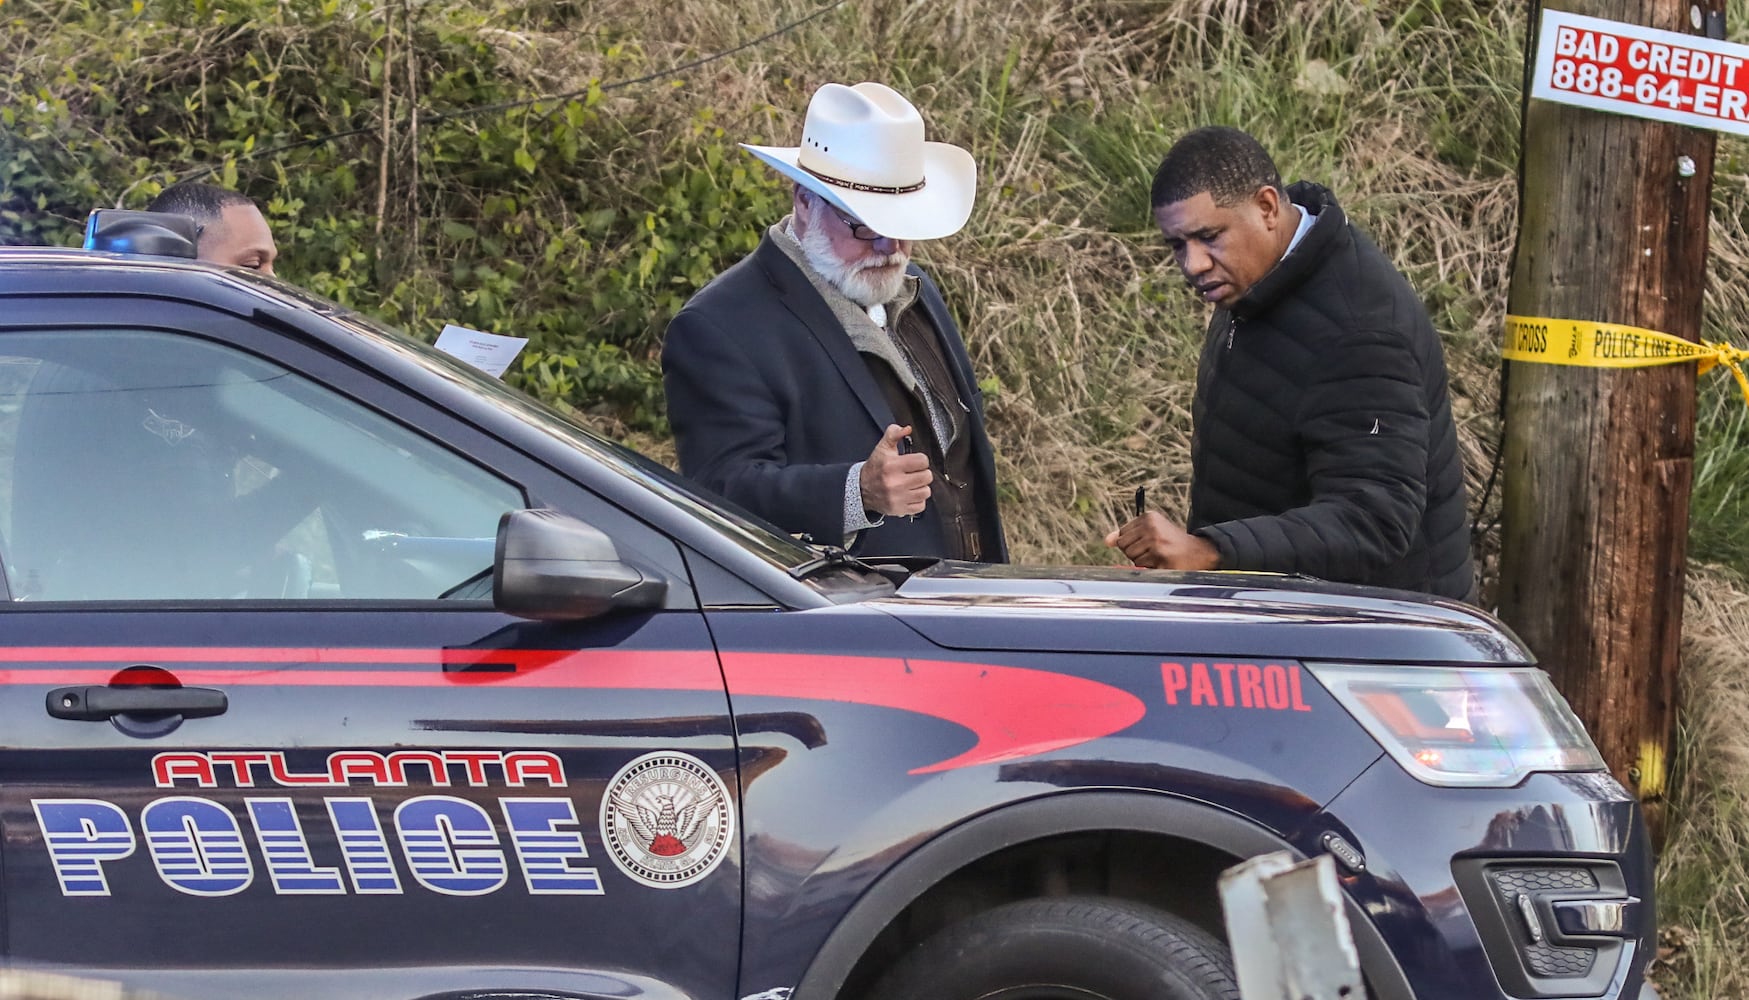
(332, 668)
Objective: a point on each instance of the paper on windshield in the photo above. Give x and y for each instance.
(488, 352)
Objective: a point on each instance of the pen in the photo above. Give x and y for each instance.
(1141, 500)
(906, 447)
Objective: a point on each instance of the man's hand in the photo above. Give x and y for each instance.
(1156, 543)
(893, 483)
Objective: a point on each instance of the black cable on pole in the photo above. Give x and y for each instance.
(1533, 16)
(424, 118)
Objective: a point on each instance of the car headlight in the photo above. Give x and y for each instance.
(1480, 726)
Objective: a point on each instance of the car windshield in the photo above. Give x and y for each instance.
(747, 529)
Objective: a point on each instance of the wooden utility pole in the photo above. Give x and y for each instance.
(1598, 463)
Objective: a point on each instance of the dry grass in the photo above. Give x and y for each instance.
(1704, 865)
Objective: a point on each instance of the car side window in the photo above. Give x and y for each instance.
(143, 465)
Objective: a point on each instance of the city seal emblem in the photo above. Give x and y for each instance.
(667, 820)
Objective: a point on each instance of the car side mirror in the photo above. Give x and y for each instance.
(550, 566)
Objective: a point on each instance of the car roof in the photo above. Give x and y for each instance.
(62, 271)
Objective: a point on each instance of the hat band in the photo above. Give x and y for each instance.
(865, 188)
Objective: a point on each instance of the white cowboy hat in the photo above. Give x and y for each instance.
(863, 151)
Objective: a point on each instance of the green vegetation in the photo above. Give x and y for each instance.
(1720, 511)
(583, 224)
(580, 224)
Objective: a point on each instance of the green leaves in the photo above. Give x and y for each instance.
(532, 221)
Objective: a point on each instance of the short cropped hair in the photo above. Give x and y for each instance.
(1225, 163)
(206, 202)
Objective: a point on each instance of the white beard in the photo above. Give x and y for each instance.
(871, 281)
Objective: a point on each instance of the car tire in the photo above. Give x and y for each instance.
(1068, 948)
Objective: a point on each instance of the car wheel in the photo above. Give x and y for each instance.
(1069, 948)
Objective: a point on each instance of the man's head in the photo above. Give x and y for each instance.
(863, 165)
(1218, 200)
(233, 231)
(867, 267)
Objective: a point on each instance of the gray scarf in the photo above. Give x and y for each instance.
(867, 336)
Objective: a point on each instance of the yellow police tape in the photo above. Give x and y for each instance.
(1611, 345)
(1651, 770)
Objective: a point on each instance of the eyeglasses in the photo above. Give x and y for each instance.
(858, 231)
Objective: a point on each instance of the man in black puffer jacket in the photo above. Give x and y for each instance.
(1323, 440)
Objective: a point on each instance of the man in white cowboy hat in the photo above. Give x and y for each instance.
(821, 382)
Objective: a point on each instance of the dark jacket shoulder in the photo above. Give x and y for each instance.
(1336, 284)
(1324, 442)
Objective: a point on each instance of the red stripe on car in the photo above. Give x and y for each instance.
(1012, 712)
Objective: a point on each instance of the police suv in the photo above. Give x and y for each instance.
(333, 668)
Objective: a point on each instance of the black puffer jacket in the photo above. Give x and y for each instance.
(1324, 442)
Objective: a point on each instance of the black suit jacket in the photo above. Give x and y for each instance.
(772, 404)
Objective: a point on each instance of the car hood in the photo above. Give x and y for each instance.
(1119, 610)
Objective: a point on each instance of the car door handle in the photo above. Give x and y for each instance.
(94, 703)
